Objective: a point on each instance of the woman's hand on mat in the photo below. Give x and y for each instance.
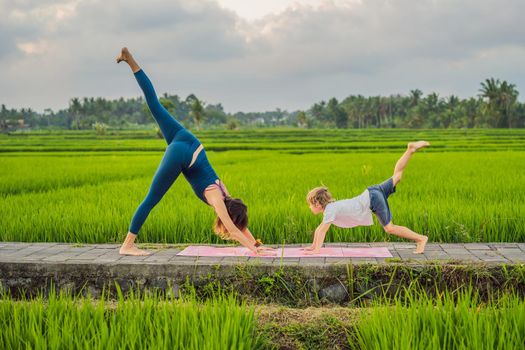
(265, 251)
(265, 248)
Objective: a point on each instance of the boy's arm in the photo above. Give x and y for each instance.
(320, 233)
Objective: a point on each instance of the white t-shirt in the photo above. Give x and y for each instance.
(349, 212)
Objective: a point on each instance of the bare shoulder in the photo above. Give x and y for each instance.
(213, 195)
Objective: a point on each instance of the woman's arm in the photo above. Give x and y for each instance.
(249, 235)
(215, 199)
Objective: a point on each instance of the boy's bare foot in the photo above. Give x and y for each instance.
(124, 55)
(132, 250)
(420, 246)
(414, 146)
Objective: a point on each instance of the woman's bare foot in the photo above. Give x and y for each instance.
(132, 250)
(414, 146)
(128, 58)
(124, 55)
(420, 246)
(129, 248)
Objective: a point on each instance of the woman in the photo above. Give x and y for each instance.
(185, 155)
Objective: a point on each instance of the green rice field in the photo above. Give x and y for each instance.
(451, 320)
(82, 187)
(446, 321)
(133, 322)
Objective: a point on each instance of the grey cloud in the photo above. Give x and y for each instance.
(289, 60)
(7, 44)
(379, 33)
(204, 33)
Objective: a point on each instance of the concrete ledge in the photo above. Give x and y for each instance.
(27, 268)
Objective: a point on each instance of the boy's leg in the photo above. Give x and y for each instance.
(412, 147)
(404, 232)
(167, 124)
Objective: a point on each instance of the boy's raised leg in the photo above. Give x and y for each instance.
(412, 147)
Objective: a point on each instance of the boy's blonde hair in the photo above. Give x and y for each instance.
(319, 195)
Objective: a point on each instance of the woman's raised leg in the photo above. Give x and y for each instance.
(167, 124)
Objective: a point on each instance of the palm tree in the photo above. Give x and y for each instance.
(509, 95)
(301, 119)
(48, 112)
(501, 98)
(197, 112)
(415, 96)
(74, 113)
(470, 107)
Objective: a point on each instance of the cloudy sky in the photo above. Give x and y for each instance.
(257, 55)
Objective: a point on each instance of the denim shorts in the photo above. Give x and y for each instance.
(379, 200)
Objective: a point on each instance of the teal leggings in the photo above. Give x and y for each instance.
(178, 155)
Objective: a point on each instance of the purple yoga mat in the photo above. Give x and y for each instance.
(336, 252)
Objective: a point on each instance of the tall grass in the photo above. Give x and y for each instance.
(446, 321)
(465, 195)
(135, 322)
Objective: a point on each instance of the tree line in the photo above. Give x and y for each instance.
(496, 106)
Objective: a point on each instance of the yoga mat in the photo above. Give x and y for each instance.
(329, 252)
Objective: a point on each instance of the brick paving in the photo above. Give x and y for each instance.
(64, 253)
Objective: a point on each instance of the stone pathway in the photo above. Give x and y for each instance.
(71, 254)
(93, 268)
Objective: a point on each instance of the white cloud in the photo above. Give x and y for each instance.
(290, 57)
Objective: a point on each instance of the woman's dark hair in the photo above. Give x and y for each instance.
(238, 212)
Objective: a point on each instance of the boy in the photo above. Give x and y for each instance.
(357, 211)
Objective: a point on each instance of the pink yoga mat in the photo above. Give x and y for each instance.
(334, 252)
